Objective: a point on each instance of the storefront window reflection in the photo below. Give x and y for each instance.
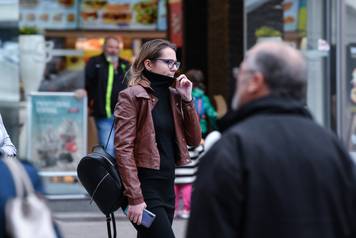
(314, 28)
(300, 24)
(350, 42)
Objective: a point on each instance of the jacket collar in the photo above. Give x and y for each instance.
(145, 83)
(264, 105)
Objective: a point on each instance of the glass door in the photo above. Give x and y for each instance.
(305, 25)
(318, 48)
(346, 72)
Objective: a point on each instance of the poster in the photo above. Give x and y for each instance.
(57, 135)
(290, 15)
(49, 14)
(122, 14)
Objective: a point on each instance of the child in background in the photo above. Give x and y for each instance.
(185, 175)
(206, 111)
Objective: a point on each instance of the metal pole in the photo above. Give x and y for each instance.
(340, 67)
(327, 35)
(245, 27)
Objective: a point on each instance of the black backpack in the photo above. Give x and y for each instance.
(99, 176)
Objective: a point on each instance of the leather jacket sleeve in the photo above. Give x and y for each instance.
(192, 131)
(125, 134)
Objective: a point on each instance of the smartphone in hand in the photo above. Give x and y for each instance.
(147, 217)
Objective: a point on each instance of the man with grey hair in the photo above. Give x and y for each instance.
(104, 79)
(275, 172)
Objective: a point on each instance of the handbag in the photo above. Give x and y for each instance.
(26, 215)
(99, 176)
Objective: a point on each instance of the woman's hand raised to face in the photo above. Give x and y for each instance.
(184, 87)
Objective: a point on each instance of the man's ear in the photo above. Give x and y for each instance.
(148, 64)
(257, 84)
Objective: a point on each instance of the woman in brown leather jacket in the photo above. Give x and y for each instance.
(156, 120)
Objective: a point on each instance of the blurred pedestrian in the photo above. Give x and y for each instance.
(104, 79)
(6, 146)
(8, 191)
(156, 120)
(275, 172)
(185, 176)
(206, 111)
(7, 184)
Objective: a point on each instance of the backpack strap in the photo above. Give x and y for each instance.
(111, 218)
(112, 127)
(113, 223)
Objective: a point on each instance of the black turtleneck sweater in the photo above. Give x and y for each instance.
(157, 185)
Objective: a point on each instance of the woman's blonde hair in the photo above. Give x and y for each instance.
(150, 50)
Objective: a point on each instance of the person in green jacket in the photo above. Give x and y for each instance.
(206, 111)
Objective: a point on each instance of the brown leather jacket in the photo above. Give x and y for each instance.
(135, 141)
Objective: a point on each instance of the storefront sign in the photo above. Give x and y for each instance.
(49, 14)
(290, 14)
(162, 15)
(57, 137)
(122, 14)
(94, 14)
(294, 15)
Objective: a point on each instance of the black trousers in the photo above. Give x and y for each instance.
(161, 226)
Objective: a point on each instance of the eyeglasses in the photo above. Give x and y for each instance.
(170, 63)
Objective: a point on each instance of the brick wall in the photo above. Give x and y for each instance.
(225, 44)
(218, 46)
(213, 41)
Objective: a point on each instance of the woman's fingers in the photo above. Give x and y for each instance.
(180, 77)
(135, 213)
(135, 219)
(139, 220)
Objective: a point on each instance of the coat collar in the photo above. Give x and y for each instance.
(264, 105)
(145, 83)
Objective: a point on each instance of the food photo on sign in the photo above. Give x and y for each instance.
(48, 14)
(120, 14)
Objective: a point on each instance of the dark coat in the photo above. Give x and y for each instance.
(274, 173)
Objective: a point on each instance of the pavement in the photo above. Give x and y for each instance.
(80, 218)
(93, 225)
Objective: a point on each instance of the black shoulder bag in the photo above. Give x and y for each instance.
(99, 176)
